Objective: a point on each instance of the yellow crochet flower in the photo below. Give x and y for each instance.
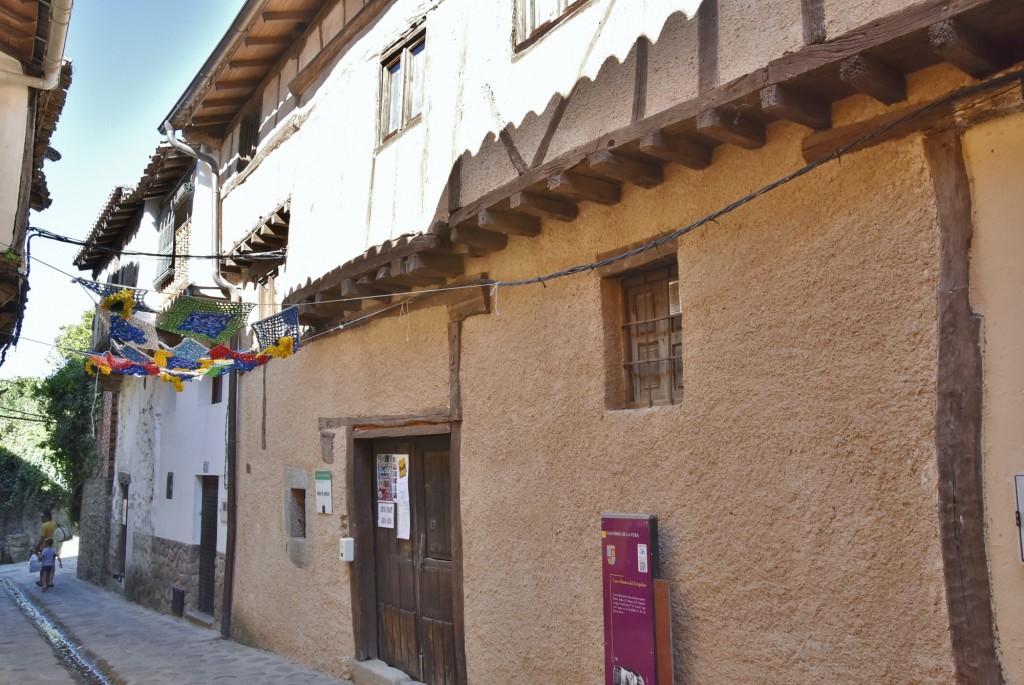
(160, 358)
(173, 380)
(282, 349)
(92, 367)
(122, 302)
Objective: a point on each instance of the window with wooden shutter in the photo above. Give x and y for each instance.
(534, 18)
(165, 263)
(652, 330)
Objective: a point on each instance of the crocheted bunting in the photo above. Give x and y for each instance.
(212, 321)
(270, 330)
(106, 363)
(130, 330)
(190, 349)
(243, 361)
(105, 290)
(132, 354)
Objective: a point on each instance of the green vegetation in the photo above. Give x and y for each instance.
(47, 447)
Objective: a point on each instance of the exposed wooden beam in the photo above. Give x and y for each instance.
(585, 189)
(797, 106)
(962, 47)
(543, 207)
(234, 84)
(15, 33)
(258, 63)
(731, 128)
(370, 281)
(330, 301)
(480, 241)
(268, 41)
(874, 79)
(236, 101)
(298, 16)
(676, 149)
(626, 169)
(507, 222)
(352, 289)
(813, 16)
(402, 272)
(707, 46)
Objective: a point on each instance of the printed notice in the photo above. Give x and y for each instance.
(385, 514)
(641, 558)
(323, 492)
(401, 478)
(403, 520)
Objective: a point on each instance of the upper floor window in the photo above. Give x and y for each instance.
(536, 17)
(402, 91)
(652, 327)
(248, 139)
(176, 213)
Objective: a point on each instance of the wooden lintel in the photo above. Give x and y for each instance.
(258, 63)
(585, 188)
(675, 149)
(507, 222)
(543, 207)
(298, 16)
(626, 169)
(479, 240)
(797, 106)
(731, 128)
(963, 48)
(264, 41)
(874, 79)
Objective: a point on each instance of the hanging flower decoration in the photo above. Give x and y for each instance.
(122, 302)
(284, 348)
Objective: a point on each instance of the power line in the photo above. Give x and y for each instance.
(22, 411)
(21, 418)
(49, 235)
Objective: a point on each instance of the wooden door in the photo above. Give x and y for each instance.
(208, 524)
(415, 627)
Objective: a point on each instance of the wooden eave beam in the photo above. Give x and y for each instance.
(268, 41)
(874, 79)
(16, 16)
(479, 241)
(585, 189)
(728, 127)
(507, 222)
(794, 105)
(962, 47)
(625, 169)
(237, 84)
(543, 207)
(254, 63)
(352, 289)
(224, 102)
(294, 16)
(675, 149)
(15, 33)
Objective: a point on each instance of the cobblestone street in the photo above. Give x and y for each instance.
(78, 632)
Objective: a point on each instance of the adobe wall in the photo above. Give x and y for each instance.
(993, 152)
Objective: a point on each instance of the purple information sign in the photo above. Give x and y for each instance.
(629, 555)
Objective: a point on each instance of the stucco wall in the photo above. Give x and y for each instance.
(993, 153)
(394, 366)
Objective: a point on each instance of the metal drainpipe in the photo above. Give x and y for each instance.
(60, 17)
(231, 455)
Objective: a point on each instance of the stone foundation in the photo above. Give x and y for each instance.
(94, 545)
(158, 565)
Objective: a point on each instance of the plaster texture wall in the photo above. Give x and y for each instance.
(842, 16)
(14, 102)
(395, 366)
(751, 33)
(993, 152)
(797, 512)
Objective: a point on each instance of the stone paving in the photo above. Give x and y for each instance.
(130, 643)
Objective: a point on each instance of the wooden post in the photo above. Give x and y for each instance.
(958, 424)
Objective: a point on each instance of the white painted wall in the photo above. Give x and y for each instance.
(14, 101)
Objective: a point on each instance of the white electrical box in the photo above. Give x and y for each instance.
(348, 549)
(223, 511)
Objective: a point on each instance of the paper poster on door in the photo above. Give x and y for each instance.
(385, 514)
(401, 478)
(323, 492)
(385, 478)
(403, 520)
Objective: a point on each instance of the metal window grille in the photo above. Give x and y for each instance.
(653, 331)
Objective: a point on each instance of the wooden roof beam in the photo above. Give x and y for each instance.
(256, 63)
(874, 79)
(625, 169)
(237, 83)
(543, 207)
(962, 47)
(585, 189)
(297, 16)
(353, 289)
(268, 41)
(16, 16)
(797, 106)
(479, 241)
(507, 222)
(731, 128)
(237, 101)
(675, 149)
(14, 33)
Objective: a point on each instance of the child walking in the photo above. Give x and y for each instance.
(48, 557)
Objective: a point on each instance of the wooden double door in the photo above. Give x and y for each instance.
(414, 576)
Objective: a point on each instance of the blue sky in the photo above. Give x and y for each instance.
(131, 61)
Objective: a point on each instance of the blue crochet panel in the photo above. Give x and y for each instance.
(211, 321)
(276, 326)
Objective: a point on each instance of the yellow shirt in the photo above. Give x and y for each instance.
(47, 530)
